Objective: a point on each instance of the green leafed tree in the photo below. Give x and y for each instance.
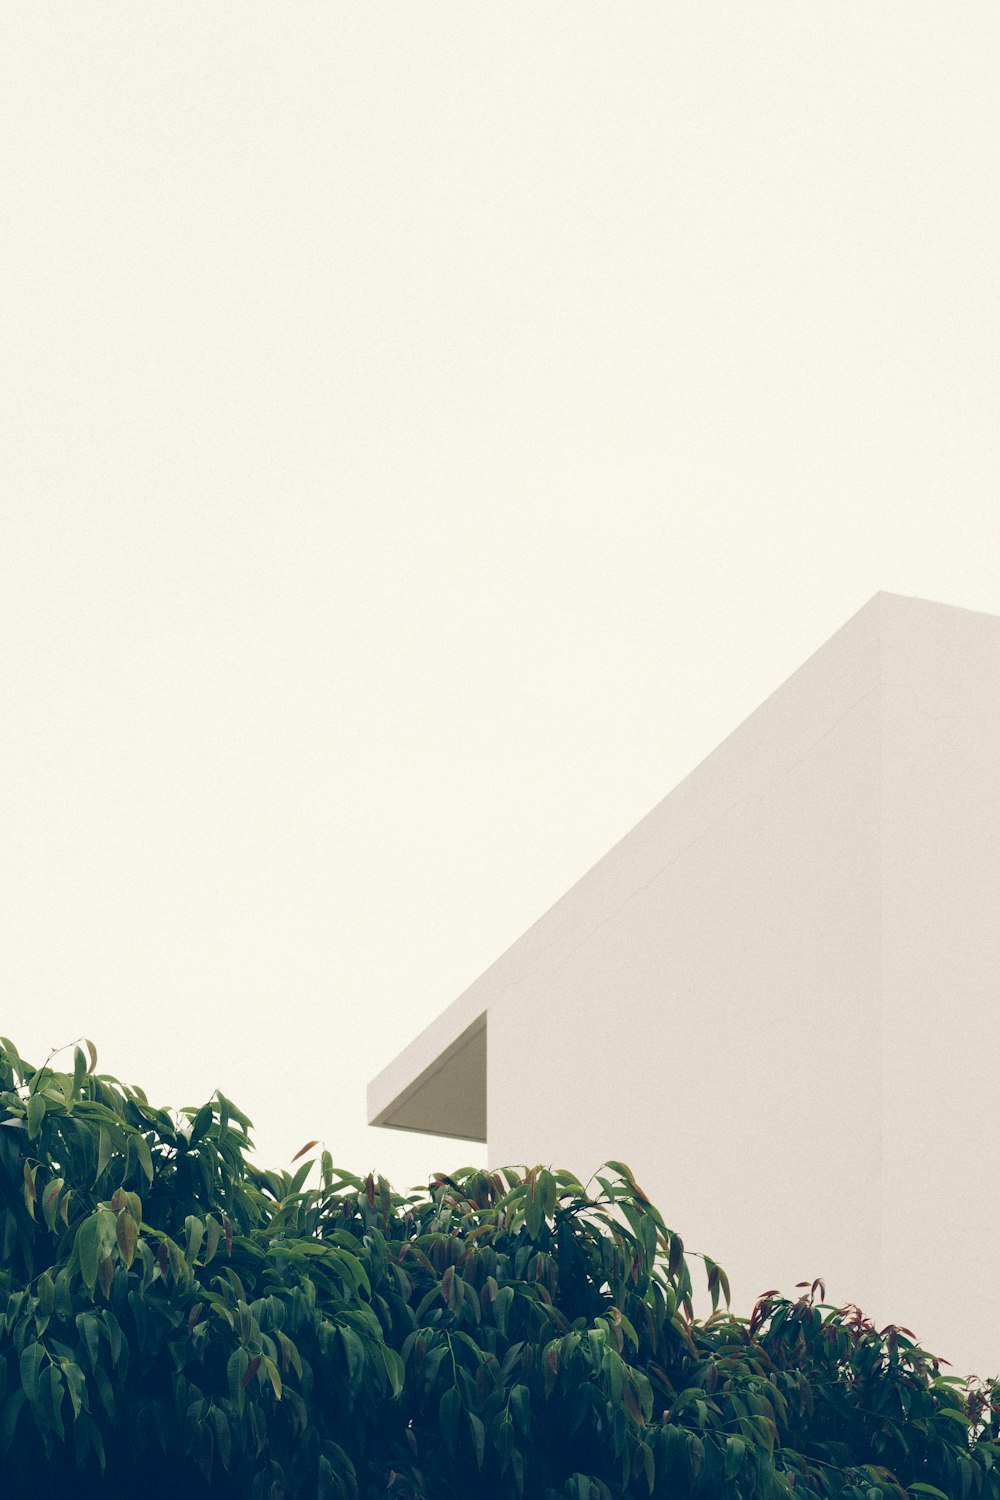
(174, 1320)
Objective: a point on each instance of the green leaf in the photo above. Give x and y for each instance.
(520, 1405)
(88, 1243)
(354, 1353)
(614, 1370)
(46, 1295)
(501, 1307)
(237, 1114)
(125, 1235)
(649, 1466)
(735, 1448)
(32, 1358)
(623, 1171)
(449, 1413)
(644, 1391)
(178, 1264)
(213, 1234)
(89, 1328)
(35, 1114)
(956, 1416)
(926, 1489)
(51, 1392)
(223, 1435)
(394, 1366)
(648, 1237)
(50, 1202)
(76, 1384)
(143, 1153)
(103, 1153)
(29, 1187)
(236, 1369)
(534, 1212)
(200, 1124)
(300, 1176)
(478, 1438)
(713, 1280)
(504, 1441)
(194, 1232)
(273, 1376)
(79, 1070)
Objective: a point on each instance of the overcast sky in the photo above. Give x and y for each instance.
(426, 432)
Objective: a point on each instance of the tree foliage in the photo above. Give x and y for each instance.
(173, 1316)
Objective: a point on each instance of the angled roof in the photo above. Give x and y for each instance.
(438, 1084)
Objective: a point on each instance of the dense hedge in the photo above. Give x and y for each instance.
(175, 1321)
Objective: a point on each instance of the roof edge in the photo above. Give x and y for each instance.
(426, 1055)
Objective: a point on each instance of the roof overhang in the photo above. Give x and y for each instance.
(438, 1084)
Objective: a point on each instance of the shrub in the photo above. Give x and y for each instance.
(175, 1320)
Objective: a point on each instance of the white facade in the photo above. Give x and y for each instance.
(777, 997)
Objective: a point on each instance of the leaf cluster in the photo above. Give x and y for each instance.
(170, 1310)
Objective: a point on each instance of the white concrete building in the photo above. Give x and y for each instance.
(777, 997)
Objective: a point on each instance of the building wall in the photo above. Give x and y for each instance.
(706, 1003)
(941, 978)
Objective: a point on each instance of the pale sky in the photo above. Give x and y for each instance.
(426, 432)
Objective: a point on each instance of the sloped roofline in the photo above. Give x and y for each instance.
(438, 1084)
